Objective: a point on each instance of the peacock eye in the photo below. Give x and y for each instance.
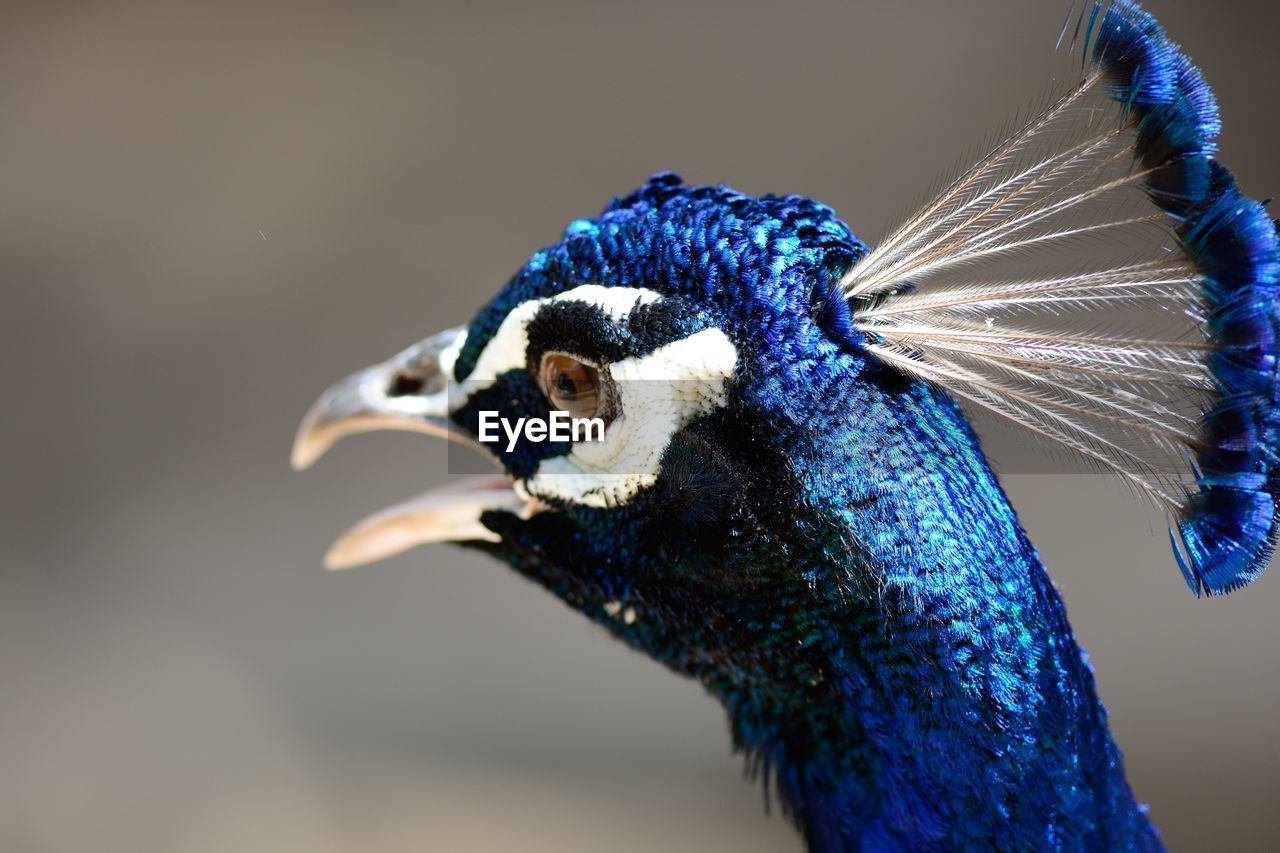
(571, 385)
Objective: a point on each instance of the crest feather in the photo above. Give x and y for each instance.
(1145, 337)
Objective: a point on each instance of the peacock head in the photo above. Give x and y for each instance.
(762, 477)
(704, 332)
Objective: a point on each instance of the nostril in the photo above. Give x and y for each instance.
(422, 376)
(404, 384)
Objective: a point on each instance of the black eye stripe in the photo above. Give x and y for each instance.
(584, 330)
(577, 328)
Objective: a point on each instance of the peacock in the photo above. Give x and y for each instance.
(787, 499)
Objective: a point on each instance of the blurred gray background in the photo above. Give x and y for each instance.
(210, 210)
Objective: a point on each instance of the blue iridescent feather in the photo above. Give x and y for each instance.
(1228, 529)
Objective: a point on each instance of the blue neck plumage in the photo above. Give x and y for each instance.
(958, 709)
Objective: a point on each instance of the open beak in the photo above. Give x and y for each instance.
(409, 392)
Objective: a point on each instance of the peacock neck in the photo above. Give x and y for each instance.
(951, 705)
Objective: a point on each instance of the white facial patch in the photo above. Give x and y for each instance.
(658, 395)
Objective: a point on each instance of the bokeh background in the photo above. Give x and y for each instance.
(210, 210)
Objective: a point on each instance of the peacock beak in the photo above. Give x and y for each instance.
(408, 392)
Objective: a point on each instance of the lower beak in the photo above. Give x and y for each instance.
(448, 514)
(408, 392)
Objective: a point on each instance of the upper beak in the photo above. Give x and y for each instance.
(408, 392)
